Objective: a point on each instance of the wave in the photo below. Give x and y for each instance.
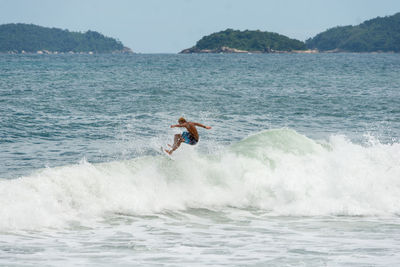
(278, 171)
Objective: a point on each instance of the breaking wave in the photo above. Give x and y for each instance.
(278, 171)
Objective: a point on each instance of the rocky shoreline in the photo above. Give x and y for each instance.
(126, 50)
(229, 50)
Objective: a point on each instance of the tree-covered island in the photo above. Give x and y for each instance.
(235, 41)
(29, 38)
(381, 34)
(375, 35)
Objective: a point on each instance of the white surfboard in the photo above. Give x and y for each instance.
(165, 152)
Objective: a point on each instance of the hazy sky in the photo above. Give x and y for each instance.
(168, 26)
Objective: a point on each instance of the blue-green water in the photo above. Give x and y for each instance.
(301, 167)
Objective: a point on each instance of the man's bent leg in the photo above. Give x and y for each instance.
(178, 139)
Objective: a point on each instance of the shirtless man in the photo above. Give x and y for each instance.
(190, 137)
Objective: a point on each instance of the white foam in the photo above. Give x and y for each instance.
(279, 171)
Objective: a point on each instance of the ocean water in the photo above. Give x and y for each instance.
(301, 166)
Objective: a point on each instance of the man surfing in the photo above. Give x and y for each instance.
(190, 137)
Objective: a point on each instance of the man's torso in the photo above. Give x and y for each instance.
(192, 130)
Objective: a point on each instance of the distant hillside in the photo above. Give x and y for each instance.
(234, 41)
(18, 38)
(379, 34)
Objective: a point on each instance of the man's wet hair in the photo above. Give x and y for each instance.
(181, 120)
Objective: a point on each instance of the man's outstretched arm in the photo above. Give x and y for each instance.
(178, 125)
(201, 125)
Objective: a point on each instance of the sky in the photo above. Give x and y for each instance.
(169, 26)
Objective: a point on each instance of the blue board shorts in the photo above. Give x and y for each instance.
(189, 139)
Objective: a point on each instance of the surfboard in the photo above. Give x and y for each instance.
(165, 152)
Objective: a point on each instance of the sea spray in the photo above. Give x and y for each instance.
(278, 171)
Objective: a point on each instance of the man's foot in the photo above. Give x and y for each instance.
(168, 151)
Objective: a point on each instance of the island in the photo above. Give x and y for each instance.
(29, 38)
(381, 34)
(235, 41)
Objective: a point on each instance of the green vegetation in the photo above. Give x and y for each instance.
(379, 34)
(375, 35)
(33, 38)
(252, 41)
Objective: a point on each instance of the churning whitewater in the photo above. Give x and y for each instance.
(279, 171)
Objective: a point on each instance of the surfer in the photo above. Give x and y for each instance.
(190, 137)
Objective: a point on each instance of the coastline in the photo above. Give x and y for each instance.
(228, 50)
(205, 51)
(126, 50)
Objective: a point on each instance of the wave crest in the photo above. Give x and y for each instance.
(279, 171)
